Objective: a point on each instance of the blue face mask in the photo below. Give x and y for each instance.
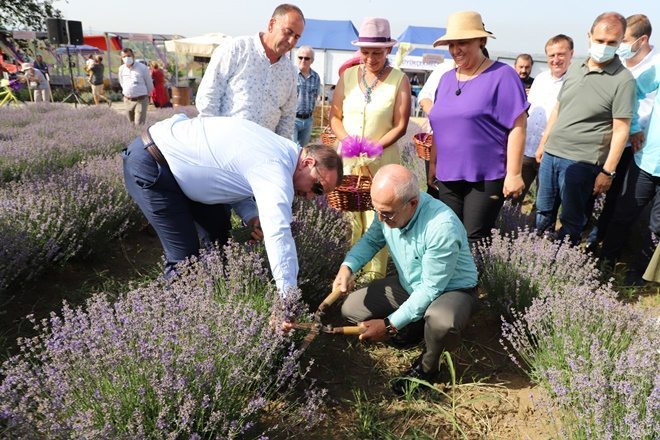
(601, 53)
(625, 50)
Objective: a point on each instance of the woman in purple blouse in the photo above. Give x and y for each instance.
(478, 120)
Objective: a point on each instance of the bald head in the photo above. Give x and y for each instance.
(395, 183)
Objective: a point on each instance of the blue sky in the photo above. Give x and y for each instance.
(520, 26)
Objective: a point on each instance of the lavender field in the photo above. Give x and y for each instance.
(199, 359)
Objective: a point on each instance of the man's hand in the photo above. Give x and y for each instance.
(344, 280)
(602, 184)
(513, 185)
(375, 330)
(257, 233)
(539, 153)
(636, 141)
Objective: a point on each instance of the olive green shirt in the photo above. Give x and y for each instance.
(589, 101)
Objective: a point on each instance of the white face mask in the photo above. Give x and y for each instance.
(127, 60)
(601, 53)
(625, 50)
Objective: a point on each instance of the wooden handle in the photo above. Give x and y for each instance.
(350, 330)
(327, 302)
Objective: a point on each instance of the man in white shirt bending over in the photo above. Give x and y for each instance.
(180, 169)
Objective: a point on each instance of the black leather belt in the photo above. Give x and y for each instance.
(303, 115)
(152, 149)
(137, 98)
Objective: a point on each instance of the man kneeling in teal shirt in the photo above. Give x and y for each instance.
(435, 286)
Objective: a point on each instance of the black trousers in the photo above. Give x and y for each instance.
(477, 204)
(640, 189)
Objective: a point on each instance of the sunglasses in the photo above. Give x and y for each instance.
(317, 188)
(305, 58)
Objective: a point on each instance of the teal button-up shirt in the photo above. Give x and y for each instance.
(431, 255)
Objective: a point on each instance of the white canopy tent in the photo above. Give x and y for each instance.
(201, 46)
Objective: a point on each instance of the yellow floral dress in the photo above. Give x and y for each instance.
(370, 120)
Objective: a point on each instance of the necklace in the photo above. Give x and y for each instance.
(459, 89)
(369, 88)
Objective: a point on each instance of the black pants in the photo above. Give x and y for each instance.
(640, 189)
(611, 198)
(477, 204)
(530, 169)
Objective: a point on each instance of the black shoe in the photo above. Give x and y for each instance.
(634, 278)
(403, 384)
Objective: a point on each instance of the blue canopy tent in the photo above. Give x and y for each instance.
(328, 34)
(83, 49)
(421, 38)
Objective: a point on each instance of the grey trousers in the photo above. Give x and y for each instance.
(443, 320)
(136, 111)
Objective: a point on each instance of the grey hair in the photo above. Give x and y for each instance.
(307, 48)
(406, 190)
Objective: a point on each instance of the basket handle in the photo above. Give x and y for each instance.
(360, 174)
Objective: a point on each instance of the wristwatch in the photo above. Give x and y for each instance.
(389, 328)
(608, 173)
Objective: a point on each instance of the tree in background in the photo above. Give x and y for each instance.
(27, 14)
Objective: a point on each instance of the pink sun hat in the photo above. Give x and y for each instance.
(374, 32)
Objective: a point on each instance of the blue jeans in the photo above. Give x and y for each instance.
(567, 183)
(173, 215)
(302, 132)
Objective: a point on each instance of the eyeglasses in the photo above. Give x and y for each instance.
(389, 217)
(317, 188)
(305, 58)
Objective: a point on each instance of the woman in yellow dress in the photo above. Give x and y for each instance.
(372, 101)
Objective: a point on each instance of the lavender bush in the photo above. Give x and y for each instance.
(597, 357)
(43, 138)
(322, 241)
(48, 220)
(511, 219)
(193, 359)
(514, 268)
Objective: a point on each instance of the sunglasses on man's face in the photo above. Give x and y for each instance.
(304, 58)
(317, 188)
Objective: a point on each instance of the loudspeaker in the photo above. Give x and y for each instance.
(75, 32)
(57, 31)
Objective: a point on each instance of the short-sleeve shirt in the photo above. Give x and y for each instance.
(589, 101)
(471, 129)
(97, 74)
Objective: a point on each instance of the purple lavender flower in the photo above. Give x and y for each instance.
(141, 368)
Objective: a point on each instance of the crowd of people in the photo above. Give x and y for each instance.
(579, 130)
(132, 75)
(496, 130)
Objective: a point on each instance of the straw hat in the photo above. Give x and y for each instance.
(26, 66)
(463, 26)
(374, 32)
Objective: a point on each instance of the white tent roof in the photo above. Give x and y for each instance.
(201, 46)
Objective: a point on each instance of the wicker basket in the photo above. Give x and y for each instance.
(423, 142)
(328, 137)
(352, 195)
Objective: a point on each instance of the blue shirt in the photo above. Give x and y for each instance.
(431, 255)
(648, 158)
(308, 90)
